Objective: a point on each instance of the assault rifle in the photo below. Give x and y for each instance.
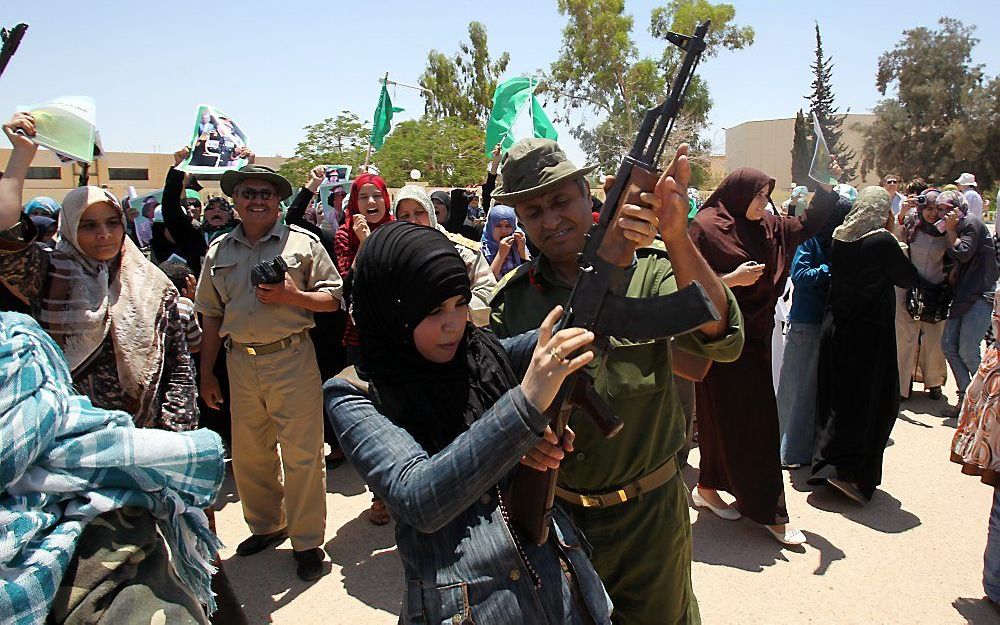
(597, 301)
(11, 39)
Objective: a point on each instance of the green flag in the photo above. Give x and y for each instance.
(509, 100)
(383, 118)
(540, 122)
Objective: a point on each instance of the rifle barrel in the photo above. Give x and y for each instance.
(11, 40)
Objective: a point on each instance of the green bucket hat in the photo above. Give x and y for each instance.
(533, 166)
(255, 172)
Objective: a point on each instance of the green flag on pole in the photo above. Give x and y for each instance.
(509, 102)
(383, 118)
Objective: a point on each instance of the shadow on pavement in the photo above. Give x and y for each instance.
(976, 611)
(800, 479)
(828, 552)
(266, 582)
(344, 480)
(907, 419)
(369, 563)
(227, 492)
(737, 544)
(884, 513)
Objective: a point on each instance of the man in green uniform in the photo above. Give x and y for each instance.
(624, 493)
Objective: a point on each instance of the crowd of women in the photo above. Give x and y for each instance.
(438, 411)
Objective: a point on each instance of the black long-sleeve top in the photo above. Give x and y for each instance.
(296, 216)
(862, 276)
(189, 241)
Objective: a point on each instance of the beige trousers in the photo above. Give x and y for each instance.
(918, 347)
(278, 399)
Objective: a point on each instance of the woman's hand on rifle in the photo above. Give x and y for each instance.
(549, 453)
(552, 362)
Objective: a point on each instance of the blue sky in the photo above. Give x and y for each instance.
(276, 67)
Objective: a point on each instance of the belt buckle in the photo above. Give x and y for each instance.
(251, 350)
(591, 502)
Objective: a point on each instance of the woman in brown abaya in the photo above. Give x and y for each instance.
(737, 413)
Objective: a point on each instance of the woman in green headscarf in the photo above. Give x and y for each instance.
(858, 394)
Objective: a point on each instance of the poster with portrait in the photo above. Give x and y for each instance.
(67, 126)
(326, 195)
(217, 143)
(336, 174)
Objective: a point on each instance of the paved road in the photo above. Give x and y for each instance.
(913, 555)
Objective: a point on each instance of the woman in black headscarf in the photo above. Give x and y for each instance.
(857, 399)
(446, 426)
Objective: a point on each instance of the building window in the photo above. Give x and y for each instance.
(128, 173)
(44, 173)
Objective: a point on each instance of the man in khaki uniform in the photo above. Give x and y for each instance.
(275, 386)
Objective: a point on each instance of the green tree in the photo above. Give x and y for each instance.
(340, 140)
(448, 152)
(463, 86)
(944, 117)
(599, 72)
(802, 149)
(821, 105)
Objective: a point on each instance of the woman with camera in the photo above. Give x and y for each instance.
(921, 310)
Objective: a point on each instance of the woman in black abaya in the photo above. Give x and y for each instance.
(858, 393)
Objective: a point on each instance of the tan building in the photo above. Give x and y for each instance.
(767, 145)
(116, 171)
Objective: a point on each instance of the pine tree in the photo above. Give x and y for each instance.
(821, 105)
(801, 152)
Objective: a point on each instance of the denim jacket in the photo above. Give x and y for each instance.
(459, 556)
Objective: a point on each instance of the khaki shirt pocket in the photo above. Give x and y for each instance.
(228, 279)
(635, 369)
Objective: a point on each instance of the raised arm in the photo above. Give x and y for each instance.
(491, 179)
(688, 263)
(12, 182)
(428, 491)
(799, 229)
(177, 220)
(296, 214)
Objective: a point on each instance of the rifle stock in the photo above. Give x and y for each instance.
(602, 276)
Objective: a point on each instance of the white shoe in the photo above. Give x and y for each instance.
(790, 537)
(729, 514)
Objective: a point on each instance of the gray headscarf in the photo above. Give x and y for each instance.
(869, 216)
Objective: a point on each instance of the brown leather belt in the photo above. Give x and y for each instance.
(644, 484)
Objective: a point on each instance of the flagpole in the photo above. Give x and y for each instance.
(400, 84)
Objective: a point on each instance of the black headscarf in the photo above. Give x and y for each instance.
(402, 273)
(837, 215)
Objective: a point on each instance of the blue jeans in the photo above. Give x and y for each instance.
(797, 392)
(991, 560)
(960, 343)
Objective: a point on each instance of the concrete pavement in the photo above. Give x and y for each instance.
(913, 555)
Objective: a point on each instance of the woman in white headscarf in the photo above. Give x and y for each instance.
(858, 393)
(113, 313)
